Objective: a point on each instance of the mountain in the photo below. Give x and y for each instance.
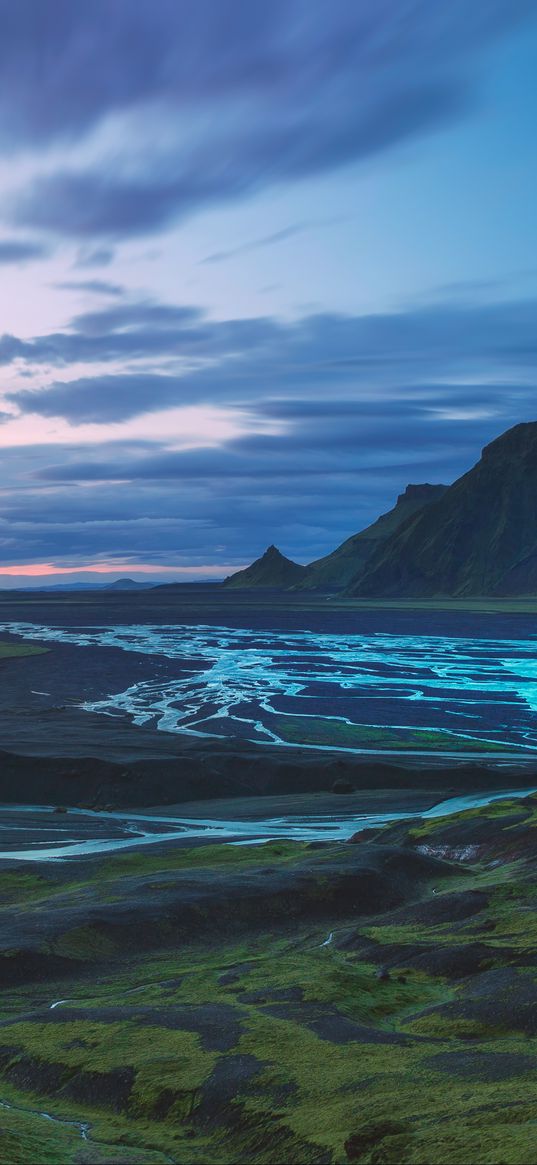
(336, 570)
(479, 538)
(273, 569)
(127, 584)
(121, 584)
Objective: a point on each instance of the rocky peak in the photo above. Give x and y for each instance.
(520, 441)
(421, 493)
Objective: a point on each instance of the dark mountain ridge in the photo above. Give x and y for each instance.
(479, 538)
(335, 571)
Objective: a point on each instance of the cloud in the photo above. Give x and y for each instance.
(271, 240)
(95, 257)
(101, 400)
(93, 286)
(144, 330)
(21, 250)
(334, 468)
(191, 359)
(206, 103)
(255, 244)
(306, 490)
(89, 203)
(358, 407)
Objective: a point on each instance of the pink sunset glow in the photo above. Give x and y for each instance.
(50, 572)
(42, 569)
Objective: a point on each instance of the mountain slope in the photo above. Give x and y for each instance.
(336, 570)
(273, 569)
(479, 538)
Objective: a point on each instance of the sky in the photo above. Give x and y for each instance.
(261, 266)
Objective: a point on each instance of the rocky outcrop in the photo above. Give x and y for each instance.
(272, 571)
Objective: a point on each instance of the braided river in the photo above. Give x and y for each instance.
(359, 692)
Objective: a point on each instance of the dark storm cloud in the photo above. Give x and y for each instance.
(258, 94)
(21, 250)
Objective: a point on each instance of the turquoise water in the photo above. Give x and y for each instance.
(437, 692)
(120, 831)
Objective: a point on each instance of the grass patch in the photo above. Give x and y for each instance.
(18, 650)
(137, 863)
(85, 942)
(313, 730)
(495, 811)
(19, 887)
(102, 1047)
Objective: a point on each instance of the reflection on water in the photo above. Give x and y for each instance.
(372, 691)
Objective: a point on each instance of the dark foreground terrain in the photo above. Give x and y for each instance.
(290, 1002)
(316, 1003)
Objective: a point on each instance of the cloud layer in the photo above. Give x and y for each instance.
(149, 412)
(205, 103)
(359, 406)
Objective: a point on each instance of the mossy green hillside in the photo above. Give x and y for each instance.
(506, 812)
(358, 1042)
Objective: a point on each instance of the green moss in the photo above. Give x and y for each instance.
(27, 1136)
(176, 1078)
(84, 942)
(19, 887)
(363, 1100)
(313, 730)
(102, 1047)
(456, 1143)
(18, 650)
(452, 1027)
(24, 1138)
(496, 810)
(136, 863)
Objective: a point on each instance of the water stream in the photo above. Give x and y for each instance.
(368, 691)
(116, 831)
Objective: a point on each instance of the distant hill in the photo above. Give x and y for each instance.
(479, 538)
(336, 570)
(182, 588)
(273, 569)
(121, 584)
(127, 584)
